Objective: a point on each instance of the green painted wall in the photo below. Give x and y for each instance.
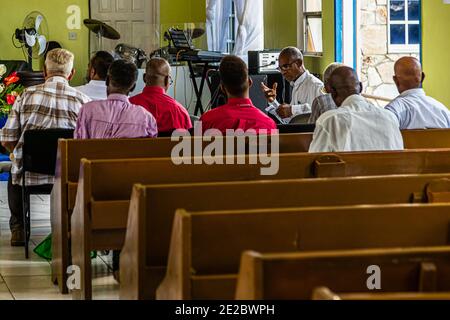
(182, 11)
(436, 48)
(281, 30)
(13, 13)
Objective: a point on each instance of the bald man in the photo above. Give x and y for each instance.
(413, 109)
(356, 125)
(306, 87)
(170, 115)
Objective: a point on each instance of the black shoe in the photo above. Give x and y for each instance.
(17, 238)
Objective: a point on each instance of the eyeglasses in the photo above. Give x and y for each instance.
(286, 66)
(170, 80)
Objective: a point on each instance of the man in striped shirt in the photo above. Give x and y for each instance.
(54, 104)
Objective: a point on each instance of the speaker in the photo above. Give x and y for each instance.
(219, 98)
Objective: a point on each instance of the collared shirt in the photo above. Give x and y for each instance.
(414, 110)
(357, 126)
(114, 118)
(170, 115)
(305, 90)
(321, 105)
(95, 89)
(237, 114)
(54, 104)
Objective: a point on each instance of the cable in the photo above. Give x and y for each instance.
(176, 74)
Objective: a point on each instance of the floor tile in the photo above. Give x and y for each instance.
(34, 288)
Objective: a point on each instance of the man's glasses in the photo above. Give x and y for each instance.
(286, 66)
(170, 80)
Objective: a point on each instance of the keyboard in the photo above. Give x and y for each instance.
(201, 56)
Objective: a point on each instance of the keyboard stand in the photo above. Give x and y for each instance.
(199, 90)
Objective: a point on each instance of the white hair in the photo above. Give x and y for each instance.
(59, 62)
(330, 69)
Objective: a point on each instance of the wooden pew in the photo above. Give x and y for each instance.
(107, 185)
(294, 276)
(70, 153)
(324, 293)
(202, 265)
(413, 139)
(426, 139)
(144, 256)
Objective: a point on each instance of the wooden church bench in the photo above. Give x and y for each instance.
(324, 293)
(144, 256)
(206, 247)
(294, 276)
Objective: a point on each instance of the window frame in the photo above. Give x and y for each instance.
(302, 17)
(402, 48)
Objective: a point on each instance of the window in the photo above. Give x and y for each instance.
(310, 26)
(404, 26)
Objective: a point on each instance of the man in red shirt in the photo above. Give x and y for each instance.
(239, 112)
(170, 115)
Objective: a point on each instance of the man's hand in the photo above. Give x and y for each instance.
(285, 111)
(271, 94)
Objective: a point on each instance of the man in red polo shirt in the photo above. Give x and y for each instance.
(170, 115)
(239, 112)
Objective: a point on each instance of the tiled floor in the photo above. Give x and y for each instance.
(23, 279)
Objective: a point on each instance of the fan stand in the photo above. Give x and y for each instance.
(30, 58)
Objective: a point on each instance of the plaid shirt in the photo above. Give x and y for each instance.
(321, 105)
(53, 104)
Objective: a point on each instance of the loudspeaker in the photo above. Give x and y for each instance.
(219, 98)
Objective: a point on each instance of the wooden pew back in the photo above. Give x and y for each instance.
(152, 209)
(202, 266)
(324, 293)
(294, 276)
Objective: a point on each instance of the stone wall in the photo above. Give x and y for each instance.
(377, 63)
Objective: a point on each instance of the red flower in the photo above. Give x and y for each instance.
(10, 99)
(13, 78)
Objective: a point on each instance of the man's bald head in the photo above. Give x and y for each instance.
(157, 73)
(408, 74)
(344, 82)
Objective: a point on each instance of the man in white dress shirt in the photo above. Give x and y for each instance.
(413, 109)
(96, 76)
(306, 87)
(356, 125)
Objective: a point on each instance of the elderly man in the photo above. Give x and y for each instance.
(54, 104)
(325, 102)
(413, 109)
(356, 125)
(306, 87)
(170, 115)
(96, 76)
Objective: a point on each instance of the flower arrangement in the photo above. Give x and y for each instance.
(10, 89)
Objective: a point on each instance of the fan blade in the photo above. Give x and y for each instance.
(42, 44)
(30, 39)
(38, 22)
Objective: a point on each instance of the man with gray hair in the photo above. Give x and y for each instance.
(325, 102)
(306, 87)
(53, 104)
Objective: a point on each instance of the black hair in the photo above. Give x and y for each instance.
(123, 74)
(100, 62)
(234, 75)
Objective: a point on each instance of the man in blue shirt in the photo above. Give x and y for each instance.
(413, 109)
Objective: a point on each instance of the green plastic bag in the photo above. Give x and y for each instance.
(44, 249)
